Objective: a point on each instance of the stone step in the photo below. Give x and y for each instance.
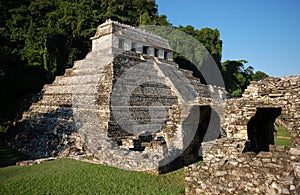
(38, 115)
(38, 109)
(78, 79)
(179, 81)
(144, 100)
(141, 65)
(147, 84)
(139, 79)
(71, 89)
(117, 131)
(38, 118)
(142, 72)
(194, 81)
(45, 123)
(138, 122)
(67, 98)
(141, 91)
(139, 113)
(83, 71)
(56, 99)
(141, 107)
(94, 59)
(62, 110)
(187, 73)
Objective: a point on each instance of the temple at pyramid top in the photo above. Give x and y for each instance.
(114, 37)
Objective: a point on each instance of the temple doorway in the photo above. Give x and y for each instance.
(261, 130)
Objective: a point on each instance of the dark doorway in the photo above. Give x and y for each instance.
(145, 50)
(261, 129)
(208, 128)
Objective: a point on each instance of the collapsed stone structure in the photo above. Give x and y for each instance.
(246, 161)
(127, 104)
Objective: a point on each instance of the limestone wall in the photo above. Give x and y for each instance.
(281, 93)
(227, 171)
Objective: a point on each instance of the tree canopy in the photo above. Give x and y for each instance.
(237, 77)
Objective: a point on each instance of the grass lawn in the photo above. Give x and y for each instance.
(283, 137)
(281, 131)
(283, 142)
(68, 176)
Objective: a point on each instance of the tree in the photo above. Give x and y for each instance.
(210, 38)
(258, 75)
(237, 77)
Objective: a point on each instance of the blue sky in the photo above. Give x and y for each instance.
(266, 33)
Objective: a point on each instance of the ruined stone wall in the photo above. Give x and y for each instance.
(226, 170)
(281, 93)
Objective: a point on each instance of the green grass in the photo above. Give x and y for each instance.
(67, 176)
(283, 142)
(282, 131)
(283, 137)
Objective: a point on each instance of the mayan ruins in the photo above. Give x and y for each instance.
(140, 121)
(129, 105)
(247, 161)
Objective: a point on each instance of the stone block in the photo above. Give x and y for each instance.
(296, 167)
(295, 151)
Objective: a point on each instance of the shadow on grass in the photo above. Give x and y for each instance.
(9, 156)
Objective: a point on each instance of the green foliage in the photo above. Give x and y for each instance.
(237, 77)
(210, 38)
(52, 34)
(258, 75)
(66, 176)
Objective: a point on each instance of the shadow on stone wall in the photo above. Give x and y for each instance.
(45, 134)
(208, 129)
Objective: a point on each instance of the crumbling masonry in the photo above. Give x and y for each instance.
(247, 162)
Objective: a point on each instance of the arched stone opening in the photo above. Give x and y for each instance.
(260, 129)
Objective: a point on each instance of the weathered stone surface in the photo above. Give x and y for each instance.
(254, 174)
(273, 170)
(268, 93)
(127, 104)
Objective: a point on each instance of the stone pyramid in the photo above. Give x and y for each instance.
(127, 104)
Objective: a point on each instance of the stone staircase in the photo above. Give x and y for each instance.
(141, 103)
(48, 127)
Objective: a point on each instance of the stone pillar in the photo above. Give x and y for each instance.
(161, 53)
(139, 48)
(170, 56)
(127, 45)
(150, 51)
